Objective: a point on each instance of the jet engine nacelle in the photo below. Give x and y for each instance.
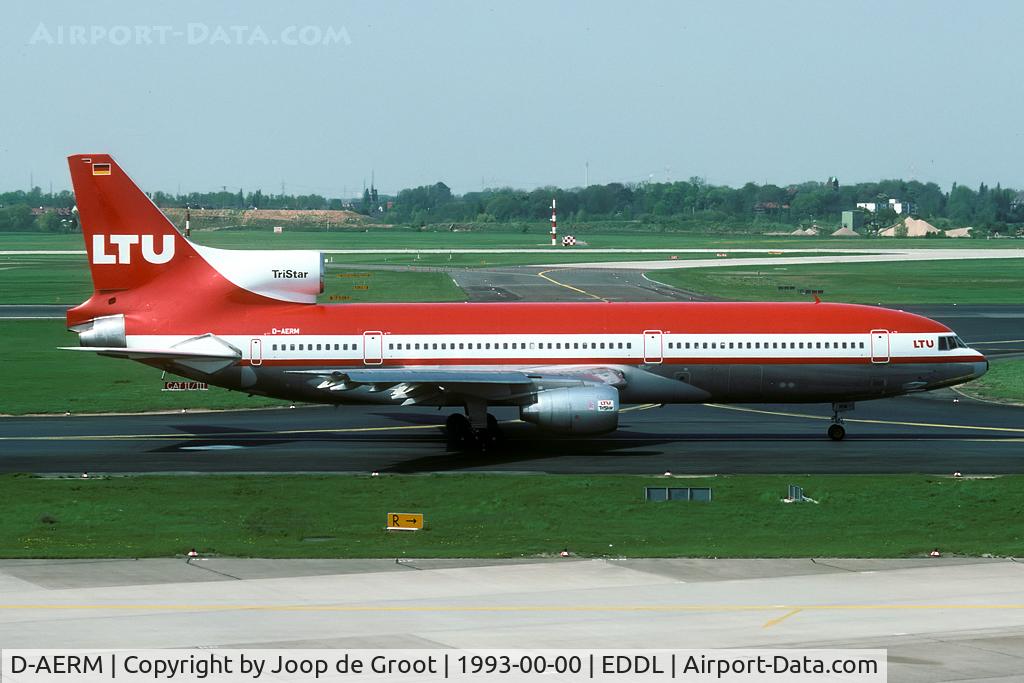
(575, 410)
(284, 275)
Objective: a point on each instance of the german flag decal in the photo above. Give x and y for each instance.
(101, 169)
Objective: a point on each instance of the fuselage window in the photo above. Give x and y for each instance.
(532, 346)
(862, 345)
(292, 347)
(817, 345)
(826, 345)
(435, 347)
(575, 345)
(461, 345)
(274, 347)
(504, 345)
(391, 347)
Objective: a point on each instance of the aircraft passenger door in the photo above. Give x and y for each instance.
(256, 351)
(652, 346)
(879, 346)
(373, 348)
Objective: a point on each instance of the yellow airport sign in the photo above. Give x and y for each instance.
(405, 521)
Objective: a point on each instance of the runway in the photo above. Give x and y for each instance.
(926, 433)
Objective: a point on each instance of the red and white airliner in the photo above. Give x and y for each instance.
(249, 321)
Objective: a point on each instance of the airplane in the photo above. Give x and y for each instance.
(248, 320)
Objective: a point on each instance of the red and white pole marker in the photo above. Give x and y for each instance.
(554, 225)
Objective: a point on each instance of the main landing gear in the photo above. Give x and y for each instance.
(463, 436)
(836, 430)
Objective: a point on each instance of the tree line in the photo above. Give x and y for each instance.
(693, 204)
(697, 201)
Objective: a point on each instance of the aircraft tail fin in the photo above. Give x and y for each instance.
(128, 239)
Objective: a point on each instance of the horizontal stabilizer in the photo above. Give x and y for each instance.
(142, 354)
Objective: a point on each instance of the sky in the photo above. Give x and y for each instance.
(317, 97)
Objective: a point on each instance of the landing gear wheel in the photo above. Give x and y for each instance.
(836, 432)
(493, 430)
(459, 433)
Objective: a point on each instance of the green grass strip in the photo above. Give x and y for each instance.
(479, 515)
(968, 281)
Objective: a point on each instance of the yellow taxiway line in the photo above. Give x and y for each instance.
(1014, 430)
(553, 281)
(220, 435)
(360, 430)
(779, 620)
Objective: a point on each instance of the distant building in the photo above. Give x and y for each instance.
(770, 207)
(896, 205)
(852, 219)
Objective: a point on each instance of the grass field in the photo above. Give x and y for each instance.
(1004, 381)
(507, 516)
(65, 280)
(366, 285)
(968, 281)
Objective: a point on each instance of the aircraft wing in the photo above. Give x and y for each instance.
(427, 385)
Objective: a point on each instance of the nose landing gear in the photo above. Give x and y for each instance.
(836, 430)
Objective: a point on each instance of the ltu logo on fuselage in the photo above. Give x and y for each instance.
(124, 244)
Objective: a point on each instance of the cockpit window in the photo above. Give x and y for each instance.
(950, 342)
